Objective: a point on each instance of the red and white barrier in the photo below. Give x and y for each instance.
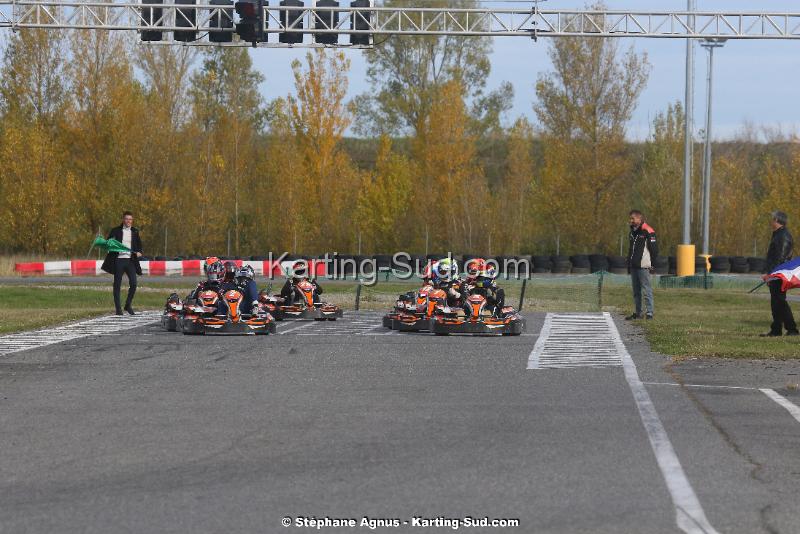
(153, 267)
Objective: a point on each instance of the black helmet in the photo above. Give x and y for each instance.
(230, 270)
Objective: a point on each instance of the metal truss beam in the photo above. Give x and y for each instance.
(489, 22)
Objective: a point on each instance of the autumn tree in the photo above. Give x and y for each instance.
(315, 119)
(409, 71)
(583, 107)
(37, 194)
(658, 187)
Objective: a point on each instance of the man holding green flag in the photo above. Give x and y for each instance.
(124, 249)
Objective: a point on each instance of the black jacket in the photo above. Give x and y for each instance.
(110, 262)
(780, 248)
(643, 247)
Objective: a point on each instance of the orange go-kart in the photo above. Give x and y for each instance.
(200, 315)
(417, 317)
(304, 309)
(476, 318)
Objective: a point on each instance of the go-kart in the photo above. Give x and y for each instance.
(406, 303)
(478, 320)
(173, 311)
(304, 309)
(417, 318)
(201, 315)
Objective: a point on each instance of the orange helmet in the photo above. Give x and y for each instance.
(475, 267)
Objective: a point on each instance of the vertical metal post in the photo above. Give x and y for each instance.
(687, 132)
(165, 241)
(600, 291)
(522, 294)
(358, 294)
(709, 45)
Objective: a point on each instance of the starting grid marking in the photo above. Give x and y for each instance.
(101, 326)
(352, 324)
(575, 340)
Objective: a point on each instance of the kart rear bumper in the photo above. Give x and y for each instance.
(444, 326)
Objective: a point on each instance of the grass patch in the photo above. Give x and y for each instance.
(713, 323)
(26, 308)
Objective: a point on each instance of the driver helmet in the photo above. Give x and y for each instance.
(215, 271)
(474, 268)
(297, 270)
(211, 260)
(230, 270)
(246, 272)
(446, 270)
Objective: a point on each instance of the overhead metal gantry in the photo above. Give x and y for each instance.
(312, 21)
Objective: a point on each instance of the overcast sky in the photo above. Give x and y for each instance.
(755, 81)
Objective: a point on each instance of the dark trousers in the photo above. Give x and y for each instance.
(781, 312)
(124, 266)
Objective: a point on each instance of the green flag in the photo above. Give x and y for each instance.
(110, 245)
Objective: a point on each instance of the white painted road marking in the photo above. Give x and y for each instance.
(791, 407)
(304, 325)
(100, 326)
(689, 514)
(570, 340)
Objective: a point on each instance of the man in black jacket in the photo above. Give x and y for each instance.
(119, 263)
(641, 259)
(780, 251)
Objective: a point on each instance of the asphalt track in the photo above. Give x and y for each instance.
(147, 431)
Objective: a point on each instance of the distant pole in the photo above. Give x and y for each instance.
(685, 251)
(710, 45)
(687, 133)
(165, 241)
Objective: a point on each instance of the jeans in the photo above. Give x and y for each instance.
(128, 267)
(781, 312)
(640, 279)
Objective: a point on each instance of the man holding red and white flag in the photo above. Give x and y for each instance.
(784, 274)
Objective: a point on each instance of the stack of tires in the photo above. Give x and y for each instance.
(561, 264)
(580, 264)
(661, 265)
(598, 263)
(739, 264)
(700, 265)
(757, 265)
(673, 265)
(720, 264)
(542, 264)
(618, 264)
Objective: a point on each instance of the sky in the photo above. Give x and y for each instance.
(755, 82)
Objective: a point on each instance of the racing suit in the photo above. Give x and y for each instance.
(495, 296)
(290, 295)
(456, 293)
(249, 289)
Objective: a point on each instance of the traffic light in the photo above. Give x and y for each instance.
(325, 20)
(251, 20)
(223, 18)
(152, 17)
(185, 18)
(361, 21)
(291, 18)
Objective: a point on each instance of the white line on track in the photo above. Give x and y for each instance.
(305, 325)
(99, 326)
(689, 514)
(697, 385)
(791, 407)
